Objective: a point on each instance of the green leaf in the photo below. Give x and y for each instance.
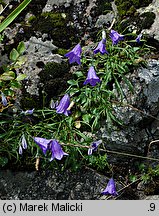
(73, 91)
(15, 84)
(21, 77)
(14, 14)
(72, 82)
(79, 74)
(10, 75)
(86, 118)
(14, 54)
(21, 47)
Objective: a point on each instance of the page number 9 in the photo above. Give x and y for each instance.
(152, 207)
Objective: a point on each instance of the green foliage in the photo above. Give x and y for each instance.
(98, 162)
(95, 103)
(9, 79)
(14, 14)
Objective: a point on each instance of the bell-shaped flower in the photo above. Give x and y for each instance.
(28, 112)
(50, 145)
(116, 37)
(75, 54)
(94, 146)
(63, 105)
(92, 77)
(4, 99)
(56, 150)
(110, 188)
(139, 38)
(24, 142)
(20, 150)
(44, 144)
(101, 47)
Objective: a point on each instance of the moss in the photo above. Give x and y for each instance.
(32, 18)
(104, 6)
(29, 102)
(54, 77)
(53, 70)
(56, 25)
(61, 51)
(146, 20)
(129, 7)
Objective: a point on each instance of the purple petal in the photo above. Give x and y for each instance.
(110, 189)
(92, 77)
(56, 150)
(42, 143)
(75, 54)
(4, 100)
(20, 150)
(94, 146)
(116, 37)
(101, 47)
(29, 112)
(63, 105)
(139, 38)
(24, 142)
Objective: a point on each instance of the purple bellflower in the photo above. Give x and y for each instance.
(51, 145)
(23, 145)
(75, 54)
(4, 99)
(139, 38)
(20, 150)
(42, 143)
(101, 47)
(63, 105)
(116, 37)
(24, 142)
(94, 147)
(28, 112)
(56, 150)
(110, 189)
(92, 77)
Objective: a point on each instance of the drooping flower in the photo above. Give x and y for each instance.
(139, 38)
(20, 150)
(53, 104)
(92, 77)
(28, 112)
(63, 105)
(42, 143)
(116, 37)
(24, 142)
(4, 99)
(56, 150)
(75, 54)
(101, 47)
(110, 188)
(50, 145)
(94, 146)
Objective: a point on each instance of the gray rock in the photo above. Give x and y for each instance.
(86, 184)
(154, 30)
(139, 117)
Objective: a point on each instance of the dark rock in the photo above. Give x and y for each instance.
(140, 119)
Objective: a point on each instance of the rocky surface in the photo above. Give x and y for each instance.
(86, 184)
(44, 35)
(139, 115)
